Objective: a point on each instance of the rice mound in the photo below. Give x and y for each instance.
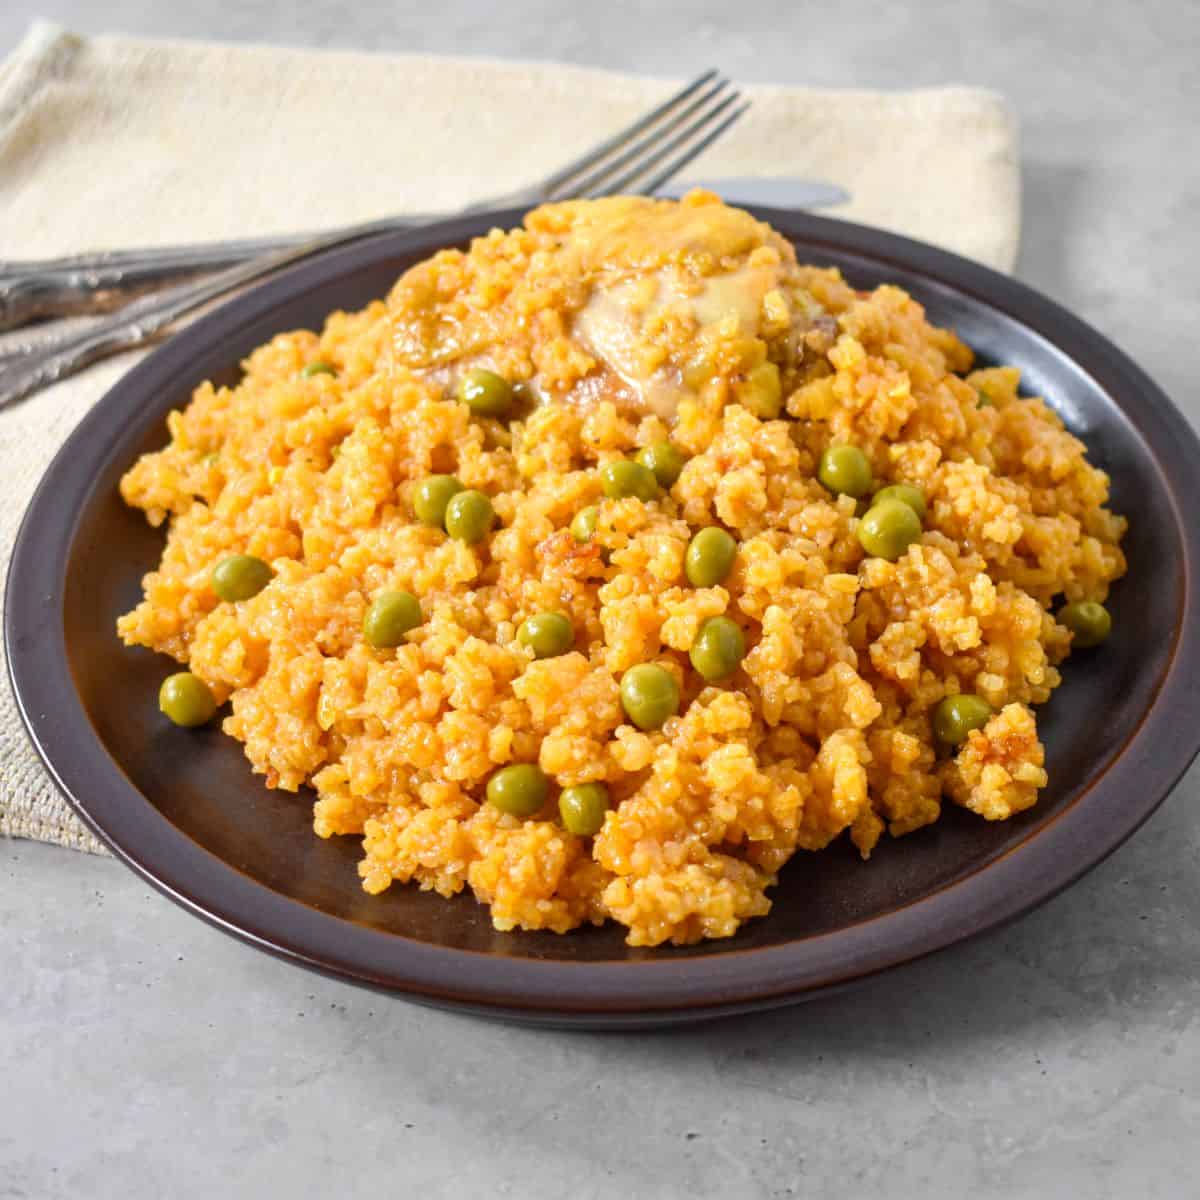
(624, 322)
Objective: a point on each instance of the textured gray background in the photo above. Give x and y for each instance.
(145, 1055)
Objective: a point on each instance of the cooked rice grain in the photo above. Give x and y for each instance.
(627, 321)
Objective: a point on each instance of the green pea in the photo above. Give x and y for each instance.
(718, 649)
(485, 393)
(906, 493)
(583, 808)
(627, 477)
(186, 700)
(519, 790)
(666, 461)
(526, 395)
(390, 617)
(318, 368)
(709, 557)
(649, 695)
(547, 634)
(888, 528)
(984, 401)
(1089, 623)
(955, 717)
(469, 516)
(583, 524)
(431, 497)
(846, 470)
(240, 576)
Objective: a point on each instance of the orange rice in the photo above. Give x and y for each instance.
(624, 322)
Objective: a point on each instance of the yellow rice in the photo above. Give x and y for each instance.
(624, 321)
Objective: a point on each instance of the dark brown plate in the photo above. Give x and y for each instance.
(185, 812)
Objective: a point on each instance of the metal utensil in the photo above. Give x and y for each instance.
(103, 281)
(776, 191)
(98, 282)
(640, 158)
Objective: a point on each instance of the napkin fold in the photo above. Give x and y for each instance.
(117, 141)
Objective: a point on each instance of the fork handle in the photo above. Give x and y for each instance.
(25, 298)
(139, 322)
(96, 283)
(22, 374)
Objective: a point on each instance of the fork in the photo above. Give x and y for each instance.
(97, 282)
(639, 158)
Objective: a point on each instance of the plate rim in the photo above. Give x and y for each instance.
(640, 991)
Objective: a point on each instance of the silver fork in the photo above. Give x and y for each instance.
(640, 158)
(97, 282)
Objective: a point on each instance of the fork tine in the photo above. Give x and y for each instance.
(594, 181)
(650, 186)
(553, 182)
(701, 126)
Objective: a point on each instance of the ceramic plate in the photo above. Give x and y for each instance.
(186, 813)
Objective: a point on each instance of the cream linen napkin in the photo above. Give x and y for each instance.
(115, 141)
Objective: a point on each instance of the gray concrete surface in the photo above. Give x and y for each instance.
(144, 1055)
